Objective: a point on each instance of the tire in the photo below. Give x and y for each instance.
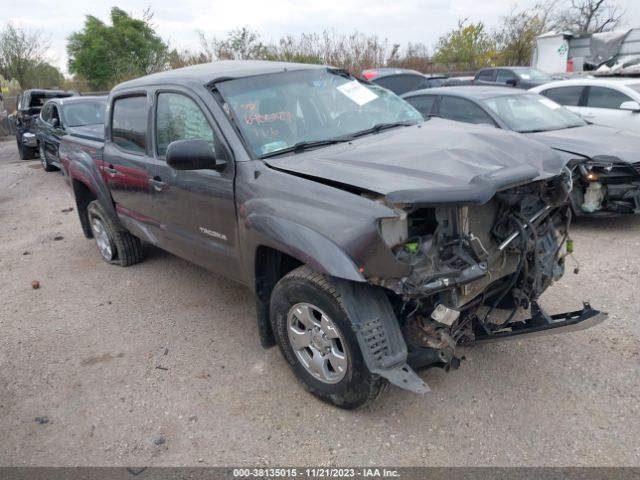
(26, 153)
(116, 245)
(306, 309)
(46, 166)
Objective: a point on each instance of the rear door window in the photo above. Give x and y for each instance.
(423, 103)
(602, 97)
(565, 95)
(129, 124)
(462, 110)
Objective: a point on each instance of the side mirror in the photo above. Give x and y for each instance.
(630, 106)
(192, 154)
(512, 82)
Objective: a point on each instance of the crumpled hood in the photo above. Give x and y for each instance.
(91, 132)
(436, 162)
(593, 140)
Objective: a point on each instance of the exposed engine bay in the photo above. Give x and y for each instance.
(476, 268)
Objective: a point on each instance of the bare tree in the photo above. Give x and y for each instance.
(590, 16)
(20, 52)
(516, 36)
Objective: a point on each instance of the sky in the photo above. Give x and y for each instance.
(399, 21)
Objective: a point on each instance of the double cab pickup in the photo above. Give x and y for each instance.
(375, 242)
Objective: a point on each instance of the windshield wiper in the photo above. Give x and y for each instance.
(378, 127)
(306, 145)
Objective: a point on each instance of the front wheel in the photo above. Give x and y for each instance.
(116, 245)
(315, 336)
(43, 160)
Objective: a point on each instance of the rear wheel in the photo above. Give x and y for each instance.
(116, 245)
(43, 160)
(315, 336)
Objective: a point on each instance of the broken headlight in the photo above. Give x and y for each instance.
(394, 230)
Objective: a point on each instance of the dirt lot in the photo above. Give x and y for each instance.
(160, 364)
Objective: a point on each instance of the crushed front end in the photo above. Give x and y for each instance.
(478, 271)
(606, 186)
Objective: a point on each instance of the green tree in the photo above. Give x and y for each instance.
(108, 54)
(20, 52)
(240, 44)
(466, 47)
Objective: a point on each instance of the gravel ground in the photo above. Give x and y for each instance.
(160, 364)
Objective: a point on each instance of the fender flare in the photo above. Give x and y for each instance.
(301, 242)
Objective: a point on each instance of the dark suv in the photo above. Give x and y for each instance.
(519, 77)
(28, 108)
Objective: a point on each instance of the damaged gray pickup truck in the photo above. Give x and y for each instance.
(375, 242)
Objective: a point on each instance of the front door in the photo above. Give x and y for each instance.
(196, 208)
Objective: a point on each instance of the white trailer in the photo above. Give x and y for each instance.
(604, 53)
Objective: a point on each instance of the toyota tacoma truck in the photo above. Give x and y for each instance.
(376, 243)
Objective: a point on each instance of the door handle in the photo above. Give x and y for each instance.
(111, 171)
(157, 183)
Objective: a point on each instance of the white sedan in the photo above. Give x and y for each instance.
(604, 101)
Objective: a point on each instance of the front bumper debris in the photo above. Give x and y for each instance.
(542, 323)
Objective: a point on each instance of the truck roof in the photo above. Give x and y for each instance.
(206, 73)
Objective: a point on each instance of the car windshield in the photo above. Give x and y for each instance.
(85, 113)
(532, 113)
(277, 112)
(533, 75)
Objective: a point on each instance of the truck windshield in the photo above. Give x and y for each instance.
(532, 113)
(277, 112)
(85, 113)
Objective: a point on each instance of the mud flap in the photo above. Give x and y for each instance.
(381, 342)
(542, 323)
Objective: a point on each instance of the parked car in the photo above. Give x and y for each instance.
(614, 102)
(402, 80)
(28, 106)
(604, 160)
(375, 242)
(79, 116)
(518, 77)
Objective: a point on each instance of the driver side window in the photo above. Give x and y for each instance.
(178, 118)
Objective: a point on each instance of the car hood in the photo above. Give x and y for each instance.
(593, 140)
(90, 132)
(437, 162)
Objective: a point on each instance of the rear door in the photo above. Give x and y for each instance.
(570, 96)
(195, 208)
(125, 164)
